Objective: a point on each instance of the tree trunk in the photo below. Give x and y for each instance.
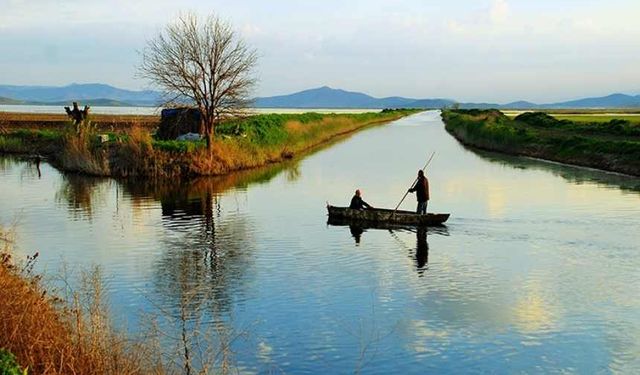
(208, 134)
(209, 137)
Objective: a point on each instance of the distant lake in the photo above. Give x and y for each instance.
(156, 111)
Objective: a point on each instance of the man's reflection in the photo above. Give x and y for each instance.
(356, 232)
(422, 249)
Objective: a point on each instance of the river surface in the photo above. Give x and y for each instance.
(537, 270)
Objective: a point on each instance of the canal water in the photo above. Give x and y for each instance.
(537, 270)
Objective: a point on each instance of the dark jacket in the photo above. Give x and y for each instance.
(358, 204)
(421, 188)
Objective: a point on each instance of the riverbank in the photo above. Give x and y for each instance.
(131, 150)
(611, 146)
(41, 333)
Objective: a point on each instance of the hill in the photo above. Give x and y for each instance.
(9, 101)
(610, 101)
(98, 94)
(78, 92)
(327, 97)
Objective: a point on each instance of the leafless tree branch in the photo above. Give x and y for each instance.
(205, 62)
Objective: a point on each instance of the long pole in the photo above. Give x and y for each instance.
(414, 182)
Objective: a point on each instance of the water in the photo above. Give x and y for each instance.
(538, 269)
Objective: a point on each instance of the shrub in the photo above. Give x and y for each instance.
(8, 364)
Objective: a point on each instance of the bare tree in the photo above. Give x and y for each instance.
(203, 61)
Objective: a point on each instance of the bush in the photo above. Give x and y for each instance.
(8, 364)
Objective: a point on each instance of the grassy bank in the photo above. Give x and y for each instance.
(239, 144)
(612, 146)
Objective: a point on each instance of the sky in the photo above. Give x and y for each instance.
(468, 50)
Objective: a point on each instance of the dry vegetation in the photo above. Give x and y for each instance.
(40, 121)
(241, 144)
(73, 334)
(49, 336)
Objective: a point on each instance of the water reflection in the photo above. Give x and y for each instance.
(81, 194)
(578, 175)
(420, 254)
(422, 249)
(356, 232)
(30, 165)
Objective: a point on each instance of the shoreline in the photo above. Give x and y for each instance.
(491, 130)
(240, 144)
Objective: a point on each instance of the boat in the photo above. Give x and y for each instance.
(381, 215)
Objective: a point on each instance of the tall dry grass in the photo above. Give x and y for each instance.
(49, 336)
(78, 154)
(75, 335)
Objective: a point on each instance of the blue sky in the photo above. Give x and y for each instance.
(470, 50)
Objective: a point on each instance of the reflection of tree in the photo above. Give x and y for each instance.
(30, 165)
(202, 269)
(167, 189)
(80, 194)
(7, 163)
(205, 259)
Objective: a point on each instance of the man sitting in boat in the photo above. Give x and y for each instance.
(421, 188)
(357, 203)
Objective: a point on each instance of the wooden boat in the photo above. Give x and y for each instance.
(381, 215)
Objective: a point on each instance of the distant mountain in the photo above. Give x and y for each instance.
(326, 97)
(78, 92)
(90, 102)
(428, 103)
(9, 101)
(521, 104)
(610, 101)
(97, 94)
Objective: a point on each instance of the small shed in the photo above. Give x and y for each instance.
(175, 122)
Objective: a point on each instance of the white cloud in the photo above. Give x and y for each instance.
(518, 48)
(499, 11)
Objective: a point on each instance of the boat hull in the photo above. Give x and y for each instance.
(379, 215)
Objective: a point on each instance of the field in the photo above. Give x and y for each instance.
(14, 120)
(593, 115)
(597, 117)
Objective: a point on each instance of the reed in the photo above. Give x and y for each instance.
(50, 336)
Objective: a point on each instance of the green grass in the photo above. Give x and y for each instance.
(613, 145)
(9, 365)
(178, 146)
(597, 118)
(38, 134)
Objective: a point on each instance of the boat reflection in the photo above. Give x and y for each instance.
(420, 253)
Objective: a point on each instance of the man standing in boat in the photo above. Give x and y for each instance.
(421, 188)
(357, 203)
